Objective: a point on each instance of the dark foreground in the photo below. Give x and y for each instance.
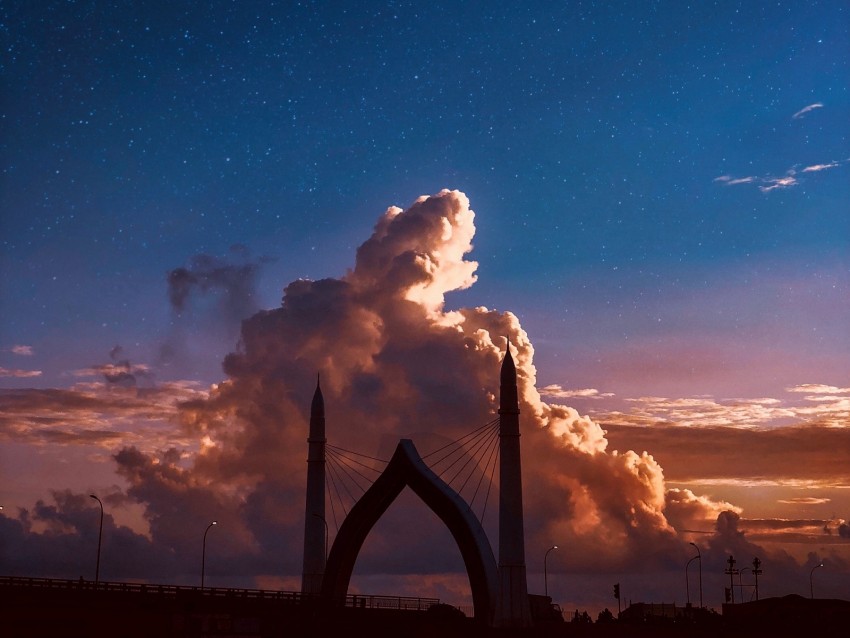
(81, 610)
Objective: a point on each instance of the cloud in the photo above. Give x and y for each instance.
(792, 531)
(806, 109)
(820, 167)
(557, 392)
(819, 459)
(391, 356)
(25, 351)
(19, 374)
(709, 412)
(120, 371)
(395, 362)
(767, 183)
(808, 500)
(690, 512)
(818, 388)
(775, 183)
(98, 414)
(233, 279)
(50, 539)
(728, 180)
(824, 405)
(211, 296)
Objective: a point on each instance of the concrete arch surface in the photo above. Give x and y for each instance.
(407, 469)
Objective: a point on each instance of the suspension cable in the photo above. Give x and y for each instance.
(489, 484)
(331, 473)
(349, 469)
(486, 443)
(345, 472)
(475, 446)
(346, 477)
(365, 456)
(462, 452)
(457, 442)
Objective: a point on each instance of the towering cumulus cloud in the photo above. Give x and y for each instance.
(394, 362)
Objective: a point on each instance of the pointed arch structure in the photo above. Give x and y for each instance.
(407, 469)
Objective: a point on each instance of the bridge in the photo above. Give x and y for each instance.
(43, 586)
(42, 607)
(499, 589)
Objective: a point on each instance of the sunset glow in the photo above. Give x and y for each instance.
(204, 209)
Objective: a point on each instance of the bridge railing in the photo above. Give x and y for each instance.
(405, 603)
(146, 588)
(172, 591)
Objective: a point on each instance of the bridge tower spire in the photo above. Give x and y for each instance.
(315, 525)
(512, 607)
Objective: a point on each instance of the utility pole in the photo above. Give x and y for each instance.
(617, 596)
(732, 573)
(756, 572)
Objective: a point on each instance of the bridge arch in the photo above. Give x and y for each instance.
(407, 469)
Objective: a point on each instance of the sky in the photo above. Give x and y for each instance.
(204, 207)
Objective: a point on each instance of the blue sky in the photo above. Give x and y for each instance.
(660, 192)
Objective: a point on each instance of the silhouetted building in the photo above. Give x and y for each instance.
(651, 612)
(789, 612)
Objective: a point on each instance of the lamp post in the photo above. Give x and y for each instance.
(699, 555)
(811, 587)
(99, 538)
(204, 552)
(687, 582)
(545, 571)
(756, 572)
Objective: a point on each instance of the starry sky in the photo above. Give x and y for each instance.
(660, 195)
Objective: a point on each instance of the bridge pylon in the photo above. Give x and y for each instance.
(315, 525)
(512, 607)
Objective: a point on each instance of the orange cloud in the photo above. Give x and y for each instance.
(395, 362)
(96, 414)
(556, 391)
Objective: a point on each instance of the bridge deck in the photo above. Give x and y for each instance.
(42, 607)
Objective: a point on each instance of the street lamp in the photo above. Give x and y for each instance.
(687, 582)
(699, 555)
(545, 571)
(204, 552)
(99, 538)
(811, 573)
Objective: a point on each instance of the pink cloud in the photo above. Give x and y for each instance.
(774, 183)
(19, 374)
(820, 167)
